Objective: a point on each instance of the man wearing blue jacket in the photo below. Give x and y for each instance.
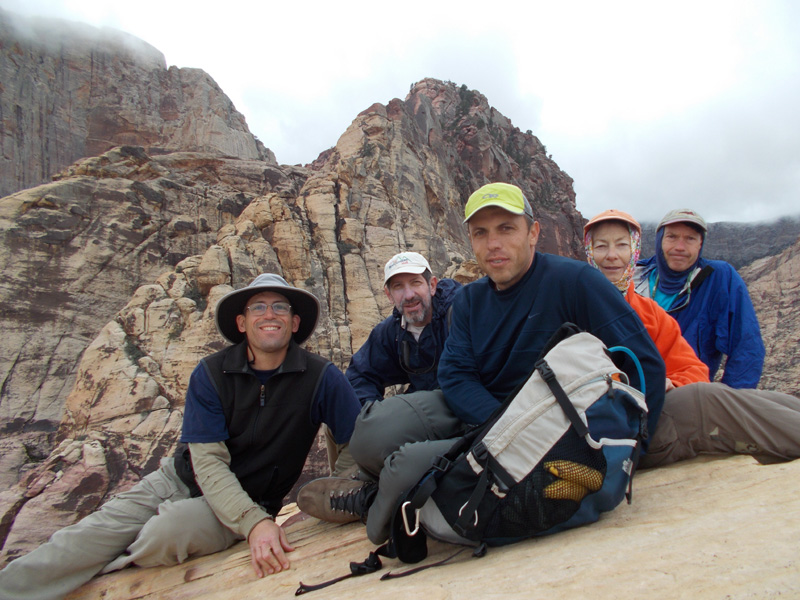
(405, 347)
(708, 298)
(500, 326)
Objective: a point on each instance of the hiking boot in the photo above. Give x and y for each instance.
(336, 499)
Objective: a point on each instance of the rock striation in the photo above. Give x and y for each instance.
(71, 91)
(74, 251)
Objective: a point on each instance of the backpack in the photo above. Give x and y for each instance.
(561, 450)
(558, 452)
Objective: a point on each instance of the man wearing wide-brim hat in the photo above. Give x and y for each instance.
(252, 413)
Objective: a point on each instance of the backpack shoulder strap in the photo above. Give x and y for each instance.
(701, 277)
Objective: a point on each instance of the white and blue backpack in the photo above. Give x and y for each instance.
(561, 450)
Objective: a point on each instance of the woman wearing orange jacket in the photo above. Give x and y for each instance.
(698, 416)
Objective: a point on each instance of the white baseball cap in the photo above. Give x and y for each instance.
(405, 262)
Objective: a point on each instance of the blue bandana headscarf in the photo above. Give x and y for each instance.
(671, 282)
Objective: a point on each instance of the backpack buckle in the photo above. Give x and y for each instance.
(461, 510)
(545, 372)
(441, 463)
(406, 526)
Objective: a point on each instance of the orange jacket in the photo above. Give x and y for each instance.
(683, 366)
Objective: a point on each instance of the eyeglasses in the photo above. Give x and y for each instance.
(260, 308)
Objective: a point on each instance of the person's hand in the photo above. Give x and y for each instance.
(670, 385)
(268, 547)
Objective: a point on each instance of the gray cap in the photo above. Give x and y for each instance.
(683, 215)
(304, 304)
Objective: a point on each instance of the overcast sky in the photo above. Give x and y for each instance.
(648, 106)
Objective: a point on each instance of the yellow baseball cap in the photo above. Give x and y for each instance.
(505, 195)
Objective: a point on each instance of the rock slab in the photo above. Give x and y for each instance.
(707, 528)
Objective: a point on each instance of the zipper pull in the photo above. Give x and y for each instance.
(263, 394)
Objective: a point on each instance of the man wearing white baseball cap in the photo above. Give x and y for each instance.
(404, 348)
(708, 298)
(252, 413)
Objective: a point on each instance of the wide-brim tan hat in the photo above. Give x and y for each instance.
(304, 304)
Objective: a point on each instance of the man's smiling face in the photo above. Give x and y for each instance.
(411, 295)
(269, 332)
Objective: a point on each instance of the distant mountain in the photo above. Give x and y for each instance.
(69, 91)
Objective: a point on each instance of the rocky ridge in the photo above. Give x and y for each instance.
(774, 284)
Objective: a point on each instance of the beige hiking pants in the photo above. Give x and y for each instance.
(714, 418)
(153, 523)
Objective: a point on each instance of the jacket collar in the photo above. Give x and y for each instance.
(236, 360)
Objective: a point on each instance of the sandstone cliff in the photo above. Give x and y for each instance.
(74, 251)
(79, 247)
(774, 284)
(69, 91)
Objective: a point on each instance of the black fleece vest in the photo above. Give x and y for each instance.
(269, 426)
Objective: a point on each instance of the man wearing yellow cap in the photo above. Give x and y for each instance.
(500, 325)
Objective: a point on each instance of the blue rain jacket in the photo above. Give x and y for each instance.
(717, 318)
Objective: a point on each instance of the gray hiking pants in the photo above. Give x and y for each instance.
(153, 523)
(715, 418)
(394, 442)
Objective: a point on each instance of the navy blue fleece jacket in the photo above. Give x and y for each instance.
(716, 319)
(377, 364)
(497, 336)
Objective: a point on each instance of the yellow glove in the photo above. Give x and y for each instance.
(561, 489)
(574, 480)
